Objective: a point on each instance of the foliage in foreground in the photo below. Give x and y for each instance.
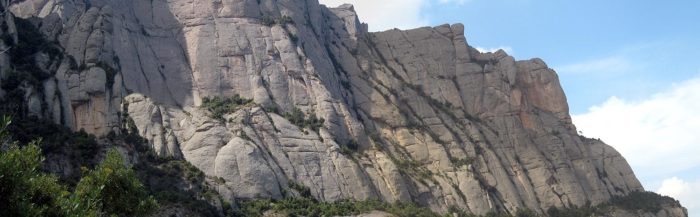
(307, 206)
(110, 189)
(113, 189)
(165, 179)
(26, 191)
(173, 182)
(310, 207)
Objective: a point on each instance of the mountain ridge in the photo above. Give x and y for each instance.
(415, 115)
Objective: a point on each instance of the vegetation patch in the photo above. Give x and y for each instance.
(575, 211)
(219, 106)
(298, 118)
(523, 212)
(311, 207)
(462, 162)
(645, 201)
(377, 139)
(294, 38)
(270, 21)
(110, 189)
(301, 189)
(113, 189)
(31, 41)
(78, 148)
(173, 182)
(349, 147)
(637, 201)
(407, 165)
(306, 205)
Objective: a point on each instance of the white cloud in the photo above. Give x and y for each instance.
(389, 14)
(688, 193)
(605, 66)
(673, 187)
(658, 136)
(507, 49)
(460, 2)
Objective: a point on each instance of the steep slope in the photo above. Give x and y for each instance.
(415, 115)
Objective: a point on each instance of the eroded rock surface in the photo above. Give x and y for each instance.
(428, 118)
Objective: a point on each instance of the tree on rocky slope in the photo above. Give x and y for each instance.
(25, 190)
(110, 189)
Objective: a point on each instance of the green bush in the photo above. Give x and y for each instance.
(16, 78)
(303, 191)
(585, 211)
(268, 21)
(30, 42)
(285, 20)
(166, 178)
(297, 117)
(453, 210)
(271, 109)
(345, 84)
(25, 190)
(345, 150)
(85, 144)
(497, 214)
(252, 208)
(525, 213)
(643, 200)
(462, 162)
(219, 106)
(407, 165)
(309, 207)
(79, 146)
(112, 189)
(349, 147)
(294, 38)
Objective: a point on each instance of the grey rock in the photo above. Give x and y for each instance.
(435, 121)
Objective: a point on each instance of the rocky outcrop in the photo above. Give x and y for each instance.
(666, 211)
(414, 115)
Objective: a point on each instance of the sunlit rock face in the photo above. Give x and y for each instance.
(415, 115)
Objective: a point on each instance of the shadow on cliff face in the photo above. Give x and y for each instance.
(431, 120)
(496, 130)
(152, 51)
(110, 49)
(177, 53)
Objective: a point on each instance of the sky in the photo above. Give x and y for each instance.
(630, 69)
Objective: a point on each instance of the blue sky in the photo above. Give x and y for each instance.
(630, 69)
(650, 43)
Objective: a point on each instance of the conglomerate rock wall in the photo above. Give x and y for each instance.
(414, 115)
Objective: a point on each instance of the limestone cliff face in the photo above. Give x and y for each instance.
(434, 121)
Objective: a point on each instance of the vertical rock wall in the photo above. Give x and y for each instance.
(434, 121)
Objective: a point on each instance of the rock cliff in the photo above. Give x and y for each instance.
(415, 115)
